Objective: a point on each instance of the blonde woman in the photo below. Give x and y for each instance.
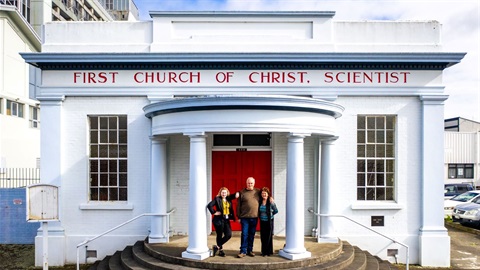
(222, 210)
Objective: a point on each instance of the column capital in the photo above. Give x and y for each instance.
(329, 140)
(195, 134)
(433, 99)
(157, 139)
(298, 135)
(51, 100)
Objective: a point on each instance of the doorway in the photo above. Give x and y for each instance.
(232, 168)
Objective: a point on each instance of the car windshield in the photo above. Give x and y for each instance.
(464, 197)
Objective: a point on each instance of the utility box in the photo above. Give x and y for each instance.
(42, 203)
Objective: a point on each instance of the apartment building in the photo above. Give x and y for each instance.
(21, 31)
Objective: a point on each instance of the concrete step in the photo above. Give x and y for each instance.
(143, 256)
(115, 262)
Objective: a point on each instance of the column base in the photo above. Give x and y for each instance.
(434, 247)
(196, 256)
(157, 239)
(328, 240)
(295, 256)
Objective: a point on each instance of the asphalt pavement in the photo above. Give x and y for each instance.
(464, 246)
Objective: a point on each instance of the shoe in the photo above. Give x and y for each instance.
(251, 254)
(215, 249)
(221, 253)
(241, 255)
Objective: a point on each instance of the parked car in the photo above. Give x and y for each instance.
(467, 213)
(452, 190)
(466, 197)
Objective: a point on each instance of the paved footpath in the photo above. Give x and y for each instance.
(464, 247)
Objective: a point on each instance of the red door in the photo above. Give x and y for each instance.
(231, 169)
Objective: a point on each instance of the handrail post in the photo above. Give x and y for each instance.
(407, 257)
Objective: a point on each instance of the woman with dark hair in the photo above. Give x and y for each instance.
(222, 210)
(266, 211)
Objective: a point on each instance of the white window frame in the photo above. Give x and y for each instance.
(376, 174)
(108, 173)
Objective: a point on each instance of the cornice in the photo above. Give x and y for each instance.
(243, 14)
(79, 61)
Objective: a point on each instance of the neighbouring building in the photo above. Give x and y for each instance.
(19, 111)
(462, 151)
(21, 31)
(339, 116)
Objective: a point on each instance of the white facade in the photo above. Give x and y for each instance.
(19, 133)
(302, 77)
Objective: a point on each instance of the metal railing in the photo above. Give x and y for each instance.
(19, 177)
(167, 216)
(310, 209)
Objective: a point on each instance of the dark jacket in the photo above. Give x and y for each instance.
(217, 205)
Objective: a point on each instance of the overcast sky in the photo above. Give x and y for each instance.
(460, 32)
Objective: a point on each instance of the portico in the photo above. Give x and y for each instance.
(197, 117)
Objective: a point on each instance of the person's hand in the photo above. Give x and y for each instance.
(271, 200)
(237, 195)
(238, 220)
(217, 213)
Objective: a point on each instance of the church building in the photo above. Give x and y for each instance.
(342, 120)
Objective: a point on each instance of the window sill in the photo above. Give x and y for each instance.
(374, 205)
(106, 206)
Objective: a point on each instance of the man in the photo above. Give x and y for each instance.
(247, 213)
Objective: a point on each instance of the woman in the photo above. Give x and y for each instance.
(266, 211)
(222, 210)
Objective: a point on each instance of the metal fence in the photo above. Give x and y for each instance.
(18, 177)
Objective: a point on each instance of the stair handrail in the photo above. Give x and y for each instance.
(167, 215)
(310, 209)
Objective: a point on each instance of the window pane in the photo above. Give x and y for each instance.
(361, 136)
(104, 136)
(371, 136)
(390, 151)
(226, 139)
(370, 165)
(360, 165)
(380, 123)
(103, 123)
(370, 194)
(122, 137)
(94, 194)
(113, 194)
(361, 180)
(113, 151)
(390, 136)
(122, 194)
(256, 140)
(94, 151)
(122, 122)
(380, 193)
(112, 123)
(371, 150)
(380, 136)
(361, 122)
(370, 179)
(380, 151)
(361, 194)
(361, 150)
(103, 151)
(93, 123)
(94, 137)
(380, 179)
(389, 194)
(112, 137)
(370, 122)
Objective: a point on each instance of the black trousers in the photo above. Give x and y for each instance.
(223, 230)
(266, 237)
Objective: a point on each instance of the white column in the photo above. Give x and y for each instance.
(327, 231)
(434, 239)
(158, 188)
(197, 218)
(51, 173)
(295, 214)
